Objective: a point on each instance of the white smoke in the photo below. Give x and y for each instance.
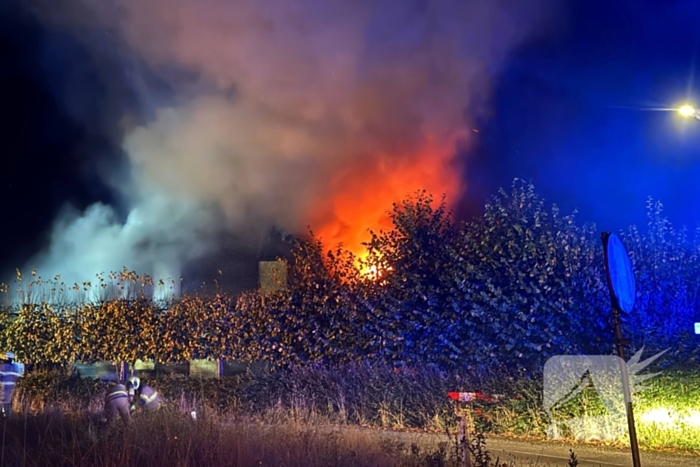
(289, 97)
(159, 235)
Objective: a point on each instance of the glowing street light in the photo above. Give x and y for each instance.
(688, 111)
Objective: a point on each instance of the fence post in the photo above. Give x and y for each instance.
(464, 427)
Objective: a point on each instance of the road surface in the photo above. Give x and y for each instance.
(557, 453)
(550, 453)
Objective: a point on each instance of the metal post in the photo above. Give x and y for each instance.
(619, 343)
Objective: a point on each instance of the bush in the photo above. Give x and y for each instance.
(511, 288)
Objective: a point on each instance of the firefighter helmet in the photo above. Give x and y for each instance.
(135, 382)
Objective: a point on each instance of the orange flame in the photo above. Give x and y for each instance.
(361, 196)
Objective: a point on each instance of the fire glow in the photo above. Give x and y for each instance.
(292, 113)
(363, 195)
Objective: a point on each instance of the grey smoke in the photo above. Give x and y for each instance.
(272, 100)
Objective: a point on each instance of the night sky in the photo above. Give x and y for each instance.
(56, 146)
(565, 113)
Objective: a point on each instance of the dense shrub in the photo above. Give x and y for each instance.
(532, 279)
(511, 288)
(666, 264)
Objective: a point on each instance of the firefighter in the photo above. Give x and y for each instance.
(118, 401)
(146, 397)
(10, 372)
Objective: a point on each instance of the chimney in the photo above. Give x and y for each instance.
(274, 255)
(272, 276)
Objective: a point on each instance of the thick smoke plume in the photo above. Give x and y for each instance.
(292, 113)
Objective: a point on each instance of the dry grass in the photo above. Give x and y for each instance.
(369, 396)
(170, 437)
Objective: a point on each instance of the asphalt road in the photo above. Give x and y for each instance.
(551, 453)
(557, 453)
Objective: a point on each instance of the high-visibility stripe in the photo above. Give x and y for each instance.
(116, 395)
(147, 400)
(10, 373)
(113, 398)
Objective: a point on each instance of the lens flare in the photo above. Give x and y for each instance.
(687, 110)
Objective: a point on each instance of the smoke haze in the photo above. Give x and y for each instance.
(291, 113)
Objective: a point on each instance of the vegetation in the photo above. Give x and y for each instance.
(171, 438)
(511, 288)
(380, 396)
(300, 416)
(449, 305)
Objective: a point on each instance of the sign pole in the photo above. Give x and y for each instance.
(620, 344)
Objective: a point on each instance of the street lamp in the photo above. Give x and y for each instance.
(688, 111)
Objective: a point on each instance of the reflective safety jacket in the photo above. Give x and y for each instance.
(149, 398)
(117, 401)
(116, 395)
(10, 372)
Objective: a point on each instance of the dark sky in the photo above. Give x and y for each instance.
(56, 144)
(566, 115)
(560, 118)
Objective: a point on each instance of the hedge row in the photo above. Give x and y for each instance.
(513, 287)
